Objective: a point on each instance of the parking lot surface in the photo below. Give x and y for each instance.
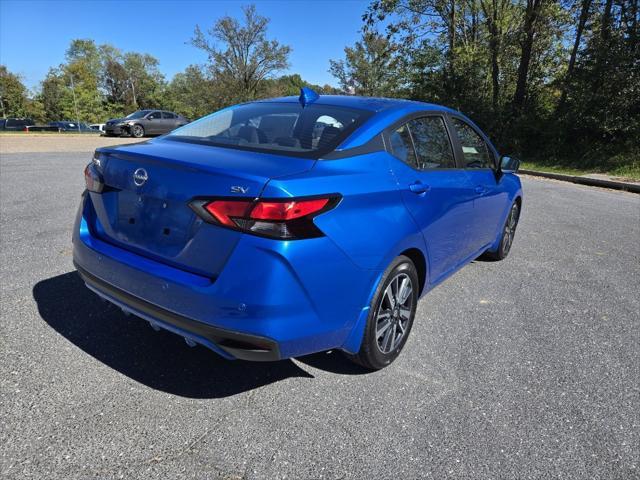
(526, 368)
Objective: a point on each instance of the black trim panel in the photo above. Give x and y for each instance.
(240, 345)
(376, 144)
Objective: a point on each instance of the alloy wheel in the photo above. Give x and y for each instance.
(394, 313)
(138, 131)
(510, 229)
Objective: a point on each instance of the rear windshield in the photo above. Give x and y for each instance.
(282, 128)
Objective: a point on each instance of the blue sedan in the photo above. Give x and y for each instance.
(279, 228)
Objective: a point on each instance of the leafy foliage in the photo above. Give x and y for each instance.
(554, 82)
(370, 68)
(549, 80)
(240, 56)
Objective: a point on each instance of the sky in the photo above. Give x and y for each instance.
(35, 34)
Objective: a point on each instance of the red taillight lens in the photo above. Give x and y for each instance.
(92, 179)
(287, 210)
(224, 210)
(284, 219)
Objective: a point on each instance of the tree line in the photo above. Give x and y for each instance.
(97, 82)
(555, 81)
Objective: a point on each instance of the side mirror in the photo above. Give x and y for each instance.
(509, 164)
(150, 117)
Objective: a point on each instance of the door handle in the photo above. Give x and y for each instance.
(419, 187)
(480, 189)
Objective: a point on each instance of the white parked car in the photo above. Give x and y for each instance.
(97, 126)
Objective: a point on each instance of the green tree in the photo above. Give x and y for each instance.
(82, 100)
(144, 79)
(290, 85)
(53, 95)
(370, 67)
(240, 56)
(193, 93)
(13, 94)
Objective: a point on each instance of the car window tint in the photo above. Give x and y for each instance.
(402, 146)
(288, 128)
(432, 143)
(168, 115)
(474, 148)
(154, 115)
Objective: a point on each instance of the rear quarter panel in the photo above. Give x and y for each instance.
(370, 224)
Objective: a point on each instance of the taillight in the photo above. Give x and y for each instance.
(287, 219)
(93, 179)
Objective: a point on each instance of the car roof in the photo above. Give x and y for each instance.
(375, 104)
(386, 112)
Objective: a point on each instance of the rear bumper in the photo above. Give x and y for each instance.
(237, 345)
(271, 300)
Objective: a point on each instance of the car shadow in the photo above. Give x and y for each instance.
(160, 360)
(333, 361)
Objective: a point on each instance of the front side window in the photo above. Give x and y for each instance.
(271, 127)
(402, 145)
(433, 147)
(474, 149)
(155, 116)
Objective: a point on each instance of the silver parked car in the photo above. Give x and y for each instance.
(145, 122)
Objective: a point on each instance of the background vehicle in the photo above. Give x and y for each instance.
(15, 124)
(68, 126)
(97, 126)
(263, 235)
(145, 122)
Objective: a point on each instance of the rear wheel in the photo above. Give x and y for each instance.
(508, 234)
(391, 315)
(137, 131)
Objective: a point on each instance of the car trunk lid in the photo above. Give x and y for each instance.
(148, 187)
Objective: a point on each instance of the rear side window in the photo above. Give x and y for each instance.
(474, 149)
(272, 127)
(431, 139)
(168, 115)
(402, 145)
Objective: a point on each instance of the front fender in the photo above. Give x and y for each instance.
(514, 188)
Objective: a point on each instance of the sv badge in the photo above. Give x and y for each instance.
(239, 189)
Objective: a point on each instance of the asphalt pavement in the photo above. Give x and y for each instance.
(526, 368)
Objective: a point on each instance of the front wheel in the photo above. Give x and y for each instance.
(508, 234)
(391, 315)
(137, 131)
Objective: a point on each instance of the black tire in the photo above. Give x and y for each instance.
(508, 234)
(137, 131)
(375, 351)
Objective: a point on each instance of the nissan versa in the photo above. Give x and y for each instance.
(283, 227)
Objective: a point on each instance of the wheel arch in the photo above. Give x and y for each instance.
(518, 200)
(420, 262)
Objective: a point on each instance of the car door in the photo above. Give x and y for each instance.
(153, 124)
(479, 162)
(436, 192)
(169, 121)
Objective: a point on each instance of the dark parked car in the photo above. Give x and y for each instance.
(67, 126)
(145, 122)
(15, 124)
